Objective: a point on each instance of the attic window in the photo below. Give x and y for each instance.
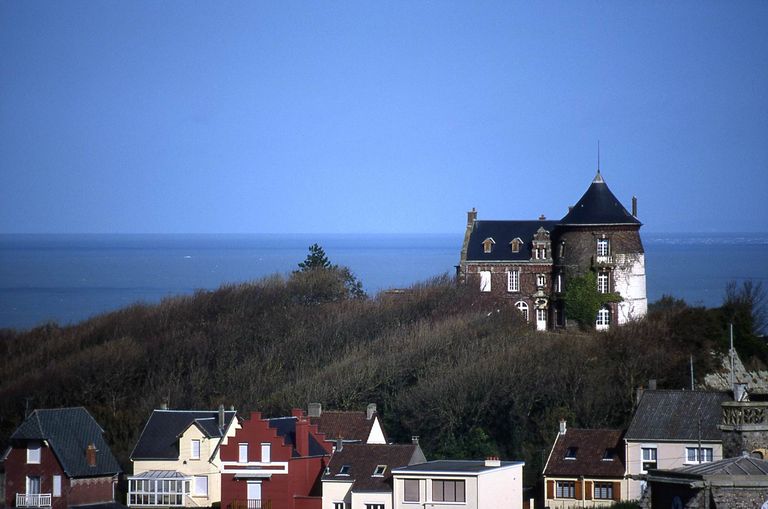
(327, 471)
(609, 454)
(344, 470)
(570, 453)
(515, 244)
(379, 472)
(488, 245)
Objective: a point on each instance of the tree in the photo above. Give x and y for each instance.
(583, 301)
(318, 280)
(316, 259)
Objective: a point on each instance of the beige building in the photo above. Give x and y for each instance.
(454, 484)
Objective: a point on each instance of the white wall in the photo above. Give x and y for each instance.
(336, 492)
(359, 500)
(629, 282)
(501, 488)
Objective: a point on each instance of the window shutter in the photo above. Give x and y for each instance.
(550, 489)
(588, 490)
(617, 491)
(578, 490)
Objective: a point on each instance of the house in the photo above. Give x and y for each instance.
(58, 458)
(352, 427)
(732, 483)
(359, 476)
(452, 484)
(274, 464)
(672, 429)
(176, 461)
(585, 467)
(529, 263)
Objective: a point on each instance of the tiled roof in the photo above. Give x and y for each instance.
(598, 206)
(503, 233)
(347, 425)
(362, 460)
(454, 466)
(160, 437)
(69, 431)
(588, 448)
(675, 415)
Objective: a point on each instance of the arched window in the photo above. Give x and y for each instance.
(603, 320)
(523, 308)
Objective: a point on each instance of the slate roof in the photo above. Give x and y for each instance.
(598, 206)
(363, 459)
(741, 465)
(68, 431)
(454, 466)
(347, 425)
(160, 438)
(674, 416)
(285, 427)
(504, 232)
(590, 450)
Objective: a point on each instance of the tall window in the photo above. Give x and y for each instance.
(603, 490)
(649, 458)
(56, 486)
(692, 454)
(603, 247)
(266, 452)
(242, 453)
(602, 282)
(523, 308)
(603, 320)
(33, 452)
(566, 489)
(448, 491)
(513, 280)
(33, 485)
(194, 452)
(559, 283)
(485, 281)
(411, 490)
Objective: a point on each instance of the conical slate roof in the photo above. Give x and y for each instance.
(598, 206)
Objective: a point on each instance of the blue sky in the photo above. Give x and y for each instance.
(378, 117)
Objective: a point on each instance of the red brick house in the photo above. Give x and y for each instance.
(58, 458)
(274, 464)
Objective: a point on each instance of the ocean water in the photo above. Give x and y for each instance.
(67, 278)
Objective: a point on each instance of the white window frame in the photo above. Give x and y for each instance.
(266, 452)
(559, 283)
(56, 492)
(194, 449)
(485, 280)
(603, 319)
(522, 306)
(692, 455)
(34, 453)
(513, 280)
(242, 452)
(33, 481)
(648, 455)
(603, 247)
(565, 489)
(602, 282)
(541, 280)
(200, 486)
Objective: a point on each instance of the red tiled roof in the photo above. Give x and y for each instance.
(590, 446)
(347, 425)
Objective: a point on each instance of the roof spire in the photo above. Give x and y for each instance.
(598, 178)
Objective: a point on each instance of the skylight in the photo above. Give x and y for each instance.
(344, 470)
(379, 472)
(570, 453)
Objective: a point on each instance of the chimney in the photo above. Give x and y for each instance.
(492, 461)
(639, 394)
(302, 433)
(652, 384)
(339, 444)
(164, 406)
(542, 217)
(369, 411)
(562, 427)
(415, 439)
(634, 206)
(90, 455)
(315, 410)
(471, 216)
(222, 418)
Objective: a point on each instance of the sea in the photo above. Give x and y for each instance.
(68, 278)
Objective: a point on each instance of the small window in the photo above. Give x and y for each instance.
(566, 489)
(56, 486)
(603, 490)
(485, 281)
(344, 470)
(194, 451)
(609, 454)
(266, 452)
(33, 452)
(201, 486)
(411, 490)
(242, 453)
(692, 454)
(515, 245)
(338, 505)
(541, 280)
(374, 506)
(570, 453)
(488, 245)
(379, 470)
(603, 247)
(649, 458)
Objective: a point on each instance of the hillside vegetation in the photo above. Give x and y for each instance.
(467, 376)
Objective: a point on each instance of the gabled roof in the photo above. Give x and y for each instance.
(588, 448)
(68, 432)
(362, 460)
(160, 438)
(348, 425)
(598, 206)
(675, 415)
(504, 232)
(285, 427)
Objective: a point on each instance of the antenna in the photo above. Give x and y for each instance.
(731, 352)
(598, 156)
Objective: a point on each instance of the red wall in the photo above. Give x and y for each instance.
(82, 491)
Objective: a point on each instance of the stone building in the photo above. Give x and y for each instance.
(530, 262)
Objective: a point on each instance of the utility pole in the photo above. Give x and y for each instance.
(732, 352)
(691, 371)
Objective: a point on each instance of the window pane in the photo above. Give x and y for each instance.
(449, 491)
(437, 491)
(242, 453)
(195, 452)
(411, 489)
(460, 496)
(266, 453)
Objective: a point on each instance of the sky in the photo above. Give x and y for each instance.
(378, 117)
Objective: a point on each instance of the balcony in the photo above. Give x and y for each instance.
(744, 416)
(251, 503)
(603, 260)
(33, 500)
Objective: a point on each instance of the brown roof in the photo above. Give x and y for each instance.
(347, 425)
(588, 446)
(362, 460)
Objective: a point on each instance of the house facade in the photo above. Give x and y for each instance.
(359, 476)
(176, 461)
(530, 262)
(454, 484)
(585, 468)
(274, 464)
(58, 458)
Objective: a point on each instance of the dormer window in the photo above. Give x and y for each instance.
(515, 245)
(379, 471)
(488, 245)
(570, 453)
(344, 470)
